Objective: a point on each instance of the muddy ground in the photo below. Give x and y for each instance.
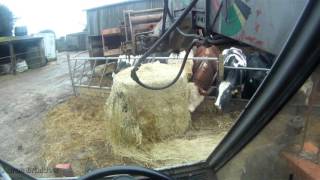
(24, 100)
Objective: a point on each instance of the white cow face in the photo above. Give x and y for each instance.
(234, 57)
(195, 98)
(224, 94)
(238, 62)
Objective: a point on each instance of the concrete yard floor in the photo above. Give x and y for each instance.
(24, 100)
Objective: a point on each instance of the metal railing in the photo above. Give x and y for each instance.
(166, 58)
(84, 71)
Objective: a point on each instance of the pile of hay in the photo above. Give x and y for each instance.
(76, 134)
(135, 127)
(136, 116)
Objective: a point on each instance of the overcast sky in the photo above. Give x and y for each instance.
(61, 16)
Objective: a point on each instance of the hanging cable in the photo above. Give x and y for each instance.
(174, 26)
(179, 73)
(166, 8)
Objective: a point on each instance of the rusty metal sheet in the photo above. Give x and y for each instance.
(302, 168)
(112, 15)
(146, 18)
(111, 31)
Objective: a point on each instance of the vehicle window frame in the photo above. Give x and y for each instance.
(295, 63)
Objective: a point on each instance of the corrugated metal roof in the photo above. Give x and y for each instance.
(113, 4)
(111, 16)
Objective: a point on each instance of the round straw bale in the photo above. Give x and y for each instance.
(136, 115)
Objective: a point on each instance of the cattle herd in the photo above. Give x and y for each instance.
(237, 81)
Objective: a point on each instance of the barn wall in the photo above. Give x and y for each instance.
(112, 15)
(77, 41)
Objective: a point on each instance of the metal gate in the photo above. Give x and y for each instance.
(96, 72)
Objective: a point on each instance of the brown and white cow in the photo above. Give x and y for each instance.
(204, 75)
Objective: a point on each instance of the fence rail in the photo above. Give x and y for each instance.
(83, 70)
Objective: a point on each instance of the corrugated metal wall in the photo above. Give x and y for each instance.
(77, 41)
(112, 15)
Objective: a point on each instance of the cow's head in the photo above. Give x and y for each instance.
(234, 57)
(225, 92)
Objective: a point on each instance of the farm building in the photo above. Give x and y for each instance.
(111, 16)
(14, 50)
(77, 41)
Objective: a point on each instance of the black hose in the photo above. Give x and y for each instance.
(177, 76)
(195, 36)
(156, 44)
(166, 8)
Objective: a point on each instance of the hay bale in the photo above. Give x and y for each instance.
(173, 59)
(136, 115)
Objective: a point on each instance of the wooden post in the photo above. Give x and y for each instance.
(221, 67)
(13, 59)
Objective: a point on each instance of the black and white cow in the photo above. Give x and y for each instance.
(247, 80)
(232, 77)
(254, 78)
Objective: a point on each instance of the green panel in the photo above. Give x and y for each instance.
(232, 25)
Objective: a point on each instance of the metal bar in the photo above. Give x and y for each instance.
(82, 73)
(125, 25)
(149, 58)
(79, 53)
(247, 68)
(142, 33)
(94, 87)
(93, 72)
(79, 66)
(74, 68)
(13, 59)
(70, 73)
(131, 33)
(147, 18)
(145, 11)
(102, 75)
(165, 58)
